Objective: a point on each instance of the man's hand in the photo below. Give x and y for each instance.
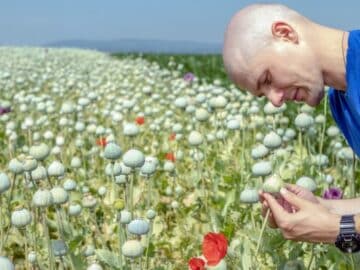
(299, 191)
(310, 222)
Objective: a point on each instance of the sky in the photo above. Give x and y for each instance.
(38, 22)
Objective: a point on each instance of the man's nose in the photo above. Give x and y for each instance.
(276, 97)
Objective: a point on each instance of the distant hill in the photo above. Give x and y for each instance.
(144, 46)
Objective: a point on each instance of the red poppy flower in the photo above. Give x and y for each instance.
(197, 264)
(214, 247)
(170, 156)
(101, 142)
(172, 136)
(140, 120)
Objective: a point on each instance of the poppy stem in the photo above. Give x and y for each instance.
(312, 256)
(262, 231)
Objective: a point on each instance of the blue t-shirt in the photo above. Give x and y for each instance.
(345, 105)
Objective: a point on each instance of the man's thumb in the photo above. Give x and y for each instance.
(293, 199)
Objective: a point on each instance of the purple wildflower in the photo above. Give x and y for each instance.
(333, 193)
(4, 110)
(189, 77)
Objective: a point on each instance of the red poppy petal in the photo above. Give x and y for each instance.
(196, 264)
(214, 247)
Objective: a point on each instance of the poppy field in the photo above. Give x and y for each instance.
(154, 162)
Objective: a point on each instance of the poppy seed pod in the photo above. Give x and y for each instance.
(169, 166)
(4, 182)
(29, 164)
(89, 250)
(69, 185)
(218, 102)
(112, 151)
(133, 158)
(120, 179)
(303, 120)
(89, 201)
(56, 150)
(345, 153)
(150, 214)
(124, 217)
(75, 162)
(272, 140)
(261, 168)
(321, 160)
(56, 168)
(259, 151)
(332, 131)
(306, 182)
(130, 129)
(113, 169)
(195, 138)
(269, 108)
(32, 257)
(125, 170)
(40, 151)
(201, 115)
(20, 218)
(39, 173)
(59, 195)
(200, 98)
(329, 179)
(294, 265)
(273, 184)
(320, 119)
(174, 205)
(249, 195)
(15, 166)
(132, 249)
(42, 198)
(138, 226)
(181, 102)
(178, 190)
(94, 266)
(233, 124)
(74, 210)
(148, 168)
(290, 133)
(59, 248)
(6, 264)
(177, 128)
(102, 190)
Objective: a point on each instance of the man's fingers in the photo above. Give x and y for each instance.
(293, 188)
(293, 199)
(271, 221)
(276, 209)
(261, 196)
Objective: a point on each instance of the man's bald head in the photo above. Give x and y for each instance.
(249, 32)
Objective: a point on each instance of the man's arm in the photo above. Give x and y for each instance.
(342, 207)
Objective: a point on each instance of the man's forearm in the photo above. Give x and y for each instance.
(342, 207)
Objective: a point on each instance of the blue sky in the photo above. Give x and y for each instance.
(38, 22)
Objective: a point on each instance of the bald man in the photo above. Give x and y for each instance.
(273, 51)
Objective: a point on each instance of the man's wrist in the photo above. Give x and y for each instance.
(326, 203)
(357, 223)
(336, 228)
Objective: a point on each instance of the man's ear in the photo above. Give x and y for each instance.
(284, 31)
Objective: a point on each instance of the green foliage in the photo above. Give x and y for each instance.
(206, 67)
